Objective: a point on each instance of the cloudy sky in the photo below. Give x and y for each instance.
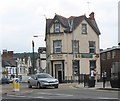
(20, 20)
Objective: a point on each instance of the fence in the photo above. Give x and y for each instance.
(74, 79)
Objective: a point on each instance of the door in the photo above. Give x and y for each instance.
(60, 76)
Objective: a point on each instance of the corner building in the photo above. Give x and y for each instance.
(72, 47)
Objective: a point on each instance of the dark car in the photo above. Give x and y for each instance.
(42, 80)
(5, 81)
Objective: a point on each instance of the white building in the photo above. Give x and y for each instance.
(41, 61)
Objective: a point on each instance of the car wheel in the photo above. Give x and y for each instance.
(38, 85)
(56, 86)
(29, 86)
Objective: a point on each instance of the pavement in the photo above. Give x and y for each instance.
(98, 86)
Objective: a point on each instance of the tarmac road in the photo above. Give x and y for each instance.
(65, 91)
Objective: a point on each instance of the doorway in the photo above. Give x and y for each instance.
(60, 76)
(58, 72)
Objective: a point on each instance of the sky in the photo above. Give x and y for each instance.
(20, 20)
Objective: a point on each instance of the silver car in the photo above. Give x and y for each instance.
(42, 80)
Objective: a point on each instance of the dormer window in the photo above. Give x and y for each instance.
(84, 28)
(56, 26)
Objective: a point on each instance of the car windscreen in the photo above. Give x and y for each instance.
(44, 76)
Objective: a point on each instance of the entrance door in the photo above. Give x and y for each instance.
(58, 72)
(60, 76)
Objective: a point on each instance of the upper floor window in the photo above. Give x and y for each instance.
(108, 55)
(57, 46)
(92, 47)
(103, 56)
(113, 54)
(75, 44)
(84, 28)
(56, 26)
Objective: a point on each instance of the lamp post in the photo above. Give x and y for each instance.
(39, 51)
(33, 63)
(17, 68)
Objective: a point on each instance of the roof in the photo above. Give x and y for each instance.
(110, 49)
(26, 55)
(76, 21)
(8, 62)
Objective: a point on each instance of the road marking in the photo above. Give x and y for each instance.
(106, 98)
(54, 94)
(25, 96)
(63, 94)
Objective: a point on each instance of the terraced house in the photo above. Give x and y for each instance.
(72, 46)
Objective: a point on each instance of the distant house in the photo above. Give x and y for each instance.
(72, 46)
(8, 63)
(110, 58)
(20, 64)
(25, 62)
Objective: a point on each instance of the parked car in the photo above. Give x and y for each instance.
(5, 81)
(42, 80)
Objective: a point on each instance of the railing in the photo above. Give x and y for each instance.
(74, 79)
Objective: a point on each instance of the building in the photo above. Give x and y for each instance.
(25, 61)
(72, 46)
(17, 64)
(110, 58)
(41, 61)
(8, 64)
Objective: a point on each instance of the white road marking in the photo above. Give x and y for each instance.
(106, 98)
(25, 96)
(58, 94)
(63, 94)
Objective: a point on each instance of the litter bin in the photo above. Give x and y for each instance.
(15, 84)
(91, 82)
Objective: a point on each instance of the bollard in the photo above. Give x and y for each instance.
(15, 84)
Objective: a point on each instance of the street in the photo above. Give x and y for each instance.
(65, 91)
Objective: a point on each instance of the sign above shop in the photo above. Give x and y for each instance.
(57, 56)
(86, 55)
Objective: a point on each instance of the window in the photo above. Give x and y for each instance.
(75, 67)
(92, 64)
(57, 46)
(108, 55)
(113, 54)
(56, 27)
(84, 28)
(103, 56)
(75, 44)
(92, 47)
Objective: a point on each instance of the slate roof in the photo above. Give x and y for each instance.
(8, 62)
(12, 61)
(76, 21)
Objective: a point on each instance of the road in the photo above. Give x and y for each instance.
(65, 91)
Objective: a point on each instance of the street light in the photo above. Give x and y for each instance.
(33, 63)
(39, 51)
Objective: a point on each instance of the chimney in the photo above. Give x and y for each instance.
(4, 54)
(92, 16)
(10, 54)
